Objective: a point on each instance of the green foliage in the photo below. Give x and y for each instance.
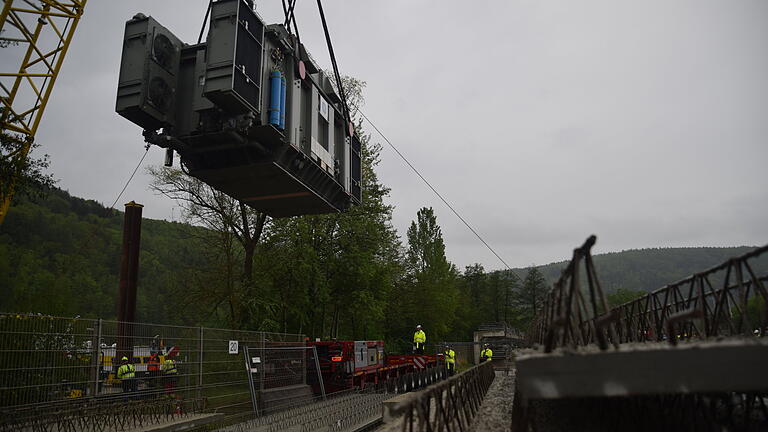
(756, 317)
(428, 293)
(484, 298)
(21, 174)
(650, 269)
(343, 275)
(621, 296)
(61, 256)
(530, 297)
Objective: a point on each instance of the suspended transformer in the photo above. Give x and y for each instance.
(249, 111)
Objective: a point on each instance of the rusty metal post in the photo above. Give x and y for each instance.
(129, 270)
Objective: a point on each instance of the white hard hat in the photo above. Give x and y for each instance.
(418, 326)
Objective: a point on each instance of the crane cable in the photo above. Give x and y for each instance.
(347, 114)
(146, 150)
(342, 93)
(462, 219)
(205, 20)
(290, 17)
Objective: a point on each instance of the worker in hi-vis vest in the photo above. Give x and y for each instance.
(153, 369)
(126, 373)
(170, 373)
(419, 340)
(450, 360)
(486, 354)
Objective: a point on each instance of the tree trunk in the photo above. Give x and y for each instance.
(322, 321)
(250, 239)
(250, 250)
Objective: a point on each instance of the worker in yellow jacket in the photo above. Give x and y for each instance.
(486, 354)
(170, 373)
(419, 340)
(450, 360)
(126, 373)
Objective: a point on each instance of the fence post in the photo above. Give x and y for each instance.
(200, 366)
(317, 370)
(263, 362)
(95, 357)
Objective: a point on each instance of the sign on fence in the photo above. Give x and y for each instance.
(233, 347)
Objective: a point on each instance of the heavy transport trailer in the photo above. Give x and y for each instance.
(346, 365)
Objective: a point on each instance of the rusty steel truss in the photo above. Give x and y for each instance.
(102, 415)
(708, 304)
(716, 380)
(570, 316)
(448, 405)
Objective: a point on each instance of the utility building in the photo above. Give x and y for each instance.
(249, 111)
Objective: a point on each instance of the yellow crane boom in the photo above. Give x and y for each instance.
(43, 31)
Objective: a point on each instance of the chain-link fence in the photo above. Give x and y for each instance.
(50, 365)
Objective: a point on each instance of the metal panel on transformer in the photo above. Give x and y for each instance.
(148, 74)
(233, 61)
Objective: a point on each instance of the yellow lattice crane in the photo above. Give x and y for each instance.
(39, 32)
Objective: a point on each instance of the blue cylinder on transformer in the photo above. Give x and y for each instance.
(275, 97)
(282, 102)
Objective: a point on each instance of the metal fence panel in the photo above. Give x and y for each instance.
(56, 370)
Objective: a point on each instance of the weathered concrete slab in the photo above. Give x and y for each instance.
(719, 366)
(387, 406)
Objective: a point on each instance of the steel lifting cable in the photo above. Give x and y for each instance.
(333, 61)
(146, 150)
(290, 17)
(347, 113)
(445, 201)
(205, 20)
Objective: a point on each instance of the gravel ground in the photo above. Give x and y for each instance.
(495, 413)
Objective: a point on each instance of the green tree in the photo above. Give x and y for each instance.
(429, 293)
(330, 275)
(21, 175)
(530, 297)
(469, 313)
(234, 231)
(502, 286)
(621, 296)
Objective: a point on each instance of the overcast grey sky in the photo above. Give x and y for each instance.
(644, 122)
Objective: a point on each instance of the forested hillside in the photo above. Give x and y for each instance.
(349, 275)
(60, 256)
(649, 269)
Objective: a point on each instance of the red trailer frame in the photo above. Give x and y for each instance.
(355, 364)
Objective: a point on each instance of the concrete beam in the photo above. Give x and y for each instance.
(387, 405)
(722, 366)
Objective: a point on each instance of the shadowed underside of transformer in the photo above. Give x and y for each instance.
(249, 112)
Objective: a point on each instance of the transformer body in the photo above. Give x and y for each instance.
(249, 112)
